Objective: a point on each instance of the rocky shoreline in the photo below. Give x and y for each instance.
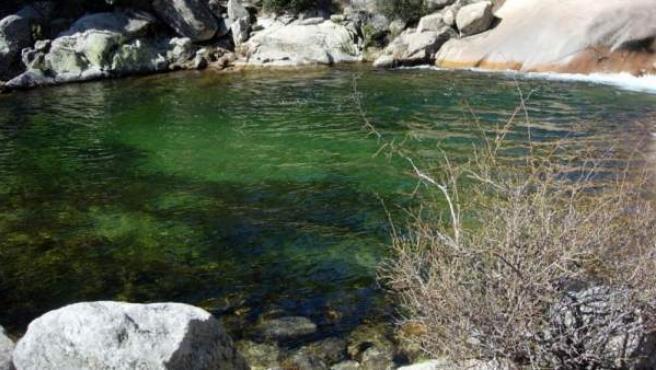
(39, 46)
(117, 335)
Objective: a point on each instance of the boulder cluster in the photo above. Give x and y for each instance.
(39, 47)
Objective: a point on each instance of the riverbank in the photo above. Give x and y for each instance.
(40, 46)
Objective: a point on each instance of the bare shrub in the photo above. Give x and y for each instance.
(487, 270)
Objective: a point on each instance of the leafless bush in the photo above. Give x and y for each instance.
(487, 271)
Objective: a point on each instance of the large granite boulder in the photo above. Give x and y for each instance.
(6, 348)
(475, 18)
(297, 44)
(15, 34)
(102, 45)
(581, 36)
(413, 48)
(189, 18)
(113, 335)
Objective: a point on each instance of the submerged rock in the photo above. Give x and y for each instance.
(285, 328)
(113, 335)
(412, 48)
(365, 337)
(259, 356)
(6, 348)
(301, 360)
(189, 18)
(318, 355)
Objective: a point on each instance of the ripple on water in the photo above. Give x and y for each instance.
(192, 186)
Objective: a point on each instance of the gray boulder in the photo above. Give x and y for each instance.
(413, 48)
(283, 45)
(370, 344)
(598, 328)
(433, 5)
(6, 348)
(240, 22)
(375, 29)
(475, 18)
(99, 46)
(113, 335)
(15, 34)
(189, 18)
(432, 22)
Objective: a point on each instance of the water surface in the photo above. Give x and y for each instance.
(244, 193)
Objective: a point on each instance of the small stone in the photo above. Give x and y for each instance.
(329, 350)
(384, 61)
(346, 365)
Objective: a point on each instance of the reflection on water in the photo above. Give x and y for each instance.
(244, 192)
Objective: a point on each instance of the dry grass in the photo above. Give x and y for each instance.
(483, 270)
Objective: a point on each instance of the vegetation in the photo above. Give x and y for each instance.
(407, 10)
(482, 271)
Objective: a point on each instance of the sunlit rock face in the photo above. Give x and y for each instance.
(563, 36)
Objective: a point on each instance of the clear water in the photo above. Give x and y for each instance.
(246, 192)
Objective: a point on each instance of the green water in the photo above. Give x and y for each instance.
(245, 192)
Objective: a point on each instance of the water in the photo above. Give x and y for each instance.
(245, 193)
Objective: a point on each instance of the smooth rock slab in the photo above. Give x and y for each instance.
(6, 348)
(116, 336)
